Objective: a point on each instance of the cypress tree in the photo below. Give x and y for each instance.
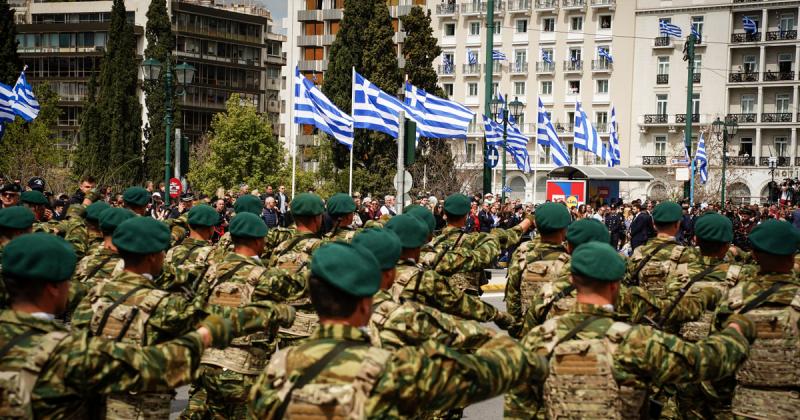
(91, 150)
(10, 63)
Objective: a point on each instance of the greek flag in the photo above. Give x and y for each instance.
(750, 26)
(586, 137)
(668, 29)
(521, 158)
(498, 55)
(603, 53)
(507, 189)
(546, 136)
(436, 117)
(698, 37)
(312, 107)
(25, 104)
(615, 154)
(447, 63)
(701, 160)
(6, 104)
(492, 131)
(547, 56)
(514, 136)
(472, 58)
(374, 109)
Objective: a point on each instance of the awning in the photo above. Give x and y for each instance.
(600, 173)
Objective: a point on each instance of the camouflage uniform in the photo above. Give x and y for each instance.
(578, 387)
(4, 300)
(274, 237)
(178, 228)
(73, 229)
(662, 255)
(185, 264)
(343, 234)
(98, 267)
(388, 385)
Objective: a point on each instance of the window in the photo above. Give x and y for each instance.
(661, 145)
(546, 87)
(449, 29)
(472, 89)
(575, 54)
(519, 88)
(746, 146)
(661, 104)
(549, 24)
(497, 26)
(663, 65)
(576, 23)
(522, 26)
(782, 103)
(471, 152)
(786, 22)
(605, 21)
(749, 64)
(697, 24)
(784, 62)
(520, 57)
(698, 62)
(781, 148)
(547, 52)
(573, 87)
(748, 104)
(474, 28)
(601, 121)
(448, 89)
(602, 86)
(494, 88)
(696, 104)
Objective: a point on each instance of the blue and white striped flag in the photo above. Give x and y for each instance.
(750, 26)
(436, 117)
(546, 136)
(448, 64)
(603, 53)
(514, 136)
(547, 56)
(6, 103)
(586, 137)
(507, 189)
(701, 160)
(498, 55)
(374, 109)
(521, 157)
(312, 107)
(698, 37)
(25, 104)
(492, 131)
(472, 58)
(668, 29)
(614, 139)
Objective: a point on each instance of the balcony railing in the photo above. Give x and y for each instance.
(744, 117)
(519, 5)
(782, 161)
(662, 41)
(546, 4)
(745, 37)
(776, 117)
(446, 70)
(681, 118)
(598, 3)
(519, 68)
(573, 4)
(773, 76)
(745, 76)
(545, 67)
(654, 160)
(662, 79)
(471, 69)
(446, 9)
(601, 65)
(573, 65)
(655, 118)
(781, 35)
(473, 8)
(741, 160)
(696, 78)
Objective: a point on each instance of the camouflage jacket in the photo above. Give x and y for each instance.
(436, 291)
(430, 376)
(178, 228)
(185, 264)
(395, 324)
(752, 285)
(533, 251)
(644, 356)
(273, 284)
(343, 234)
(73, 230)
(664, 257)
(274, 237)
(81, 367)
(94, 240)
(453, 252)
(97, 267)
(295, 252)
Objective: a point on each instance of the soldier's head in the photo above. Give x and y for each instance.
(136, 199)
(424, 215)
(774, 245)
(248, 233)
(92, 215)
(552, 220)
(596, 269)
(586, 230)
(412, 233)
(87, 184)
(341, 207)
(109, 219)
(15, 221)
(141, 242)
(36, 270)
(456, 209)
(385, 246)
(202, 220)
(667, 218)
(37, 202)
(713, 234)
(307, 209)
(344, 277)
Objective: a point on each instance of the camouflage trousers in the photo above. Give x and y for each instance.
(219, 393)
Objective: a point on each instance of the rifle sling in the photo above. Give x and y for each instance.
(646, 259)
(758, 300)
(560, 295)
(14, 341)
(681, 293)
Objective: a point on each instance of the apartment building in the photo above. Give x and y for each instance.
(552, 50)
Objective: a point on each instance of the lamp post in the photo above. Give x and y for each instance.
(773, 164)
(501, 115)
(184, 73)
(727, 130)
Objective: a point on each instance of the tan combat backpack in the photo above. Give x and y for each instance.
(539, 275)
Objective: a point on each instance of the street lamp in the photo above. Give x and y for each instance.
(500, 115)
(773, 164)
(184, 73)
(727, 130)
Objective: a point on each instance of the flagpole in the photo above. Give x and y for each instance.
(352, 101)
(535, 170)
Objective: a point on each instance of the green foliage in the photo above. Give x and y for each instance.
(242, 148)
(88, 158)
(420, 49)
(10, 63)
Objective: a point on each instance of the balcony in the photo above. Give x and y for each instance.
(573, 65)
(663, 42)
(654, 160)
(681, 118)
(309, 40)
(744, 118)
(476, 8)
(774, 76)
(313, 65)
(519, 68)
(545, 67)
(446, 70)
(745, 37)
(655, 118)
(696, 78)
(782, 161)
(781, 35)
(446, 10)
(741, 160)
(471, 69)
(309, 15)
(743, 77)
(662, 79)
(332, 14)
(279, 60)
(573, 4)
(602, 65)
(546, 5)
(776, 117)
(497, 68)
(519, 6)
(604, 3)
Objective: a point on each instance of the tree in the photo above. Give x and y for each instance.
(91, 150)
(241, 148)
(160, 44)
(10, 63)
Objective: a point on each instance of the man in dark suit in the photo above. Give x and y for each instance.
(282, 204)
(642, 227)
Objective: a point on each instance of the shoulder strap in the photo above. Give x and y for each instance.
(14, 341)
(98, 267)
(761, 297)
(116, 303)
(227, 276)
(447, 236)
(312, 371)
(573, 332)
(294, 241)
(560, 295)
(646, 259)
(188, 254)
(681, 293)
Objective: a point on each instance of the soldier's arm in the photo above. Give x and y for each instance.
(454, 301)
(176, 315)
(513, 296)
(79, 238)
(541, 307)
(524, 400)
(416, 323)
(280, 285)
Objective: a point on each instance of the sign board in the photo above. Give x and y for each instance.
(492, 156)
(682, 174)
(408, 182)
(175, 188)
(679, 162)
(571, 192)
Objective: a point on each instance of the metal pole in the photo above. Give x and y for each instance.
(487, 100)
(689, 113)
(505, 150)
(401, 179)
(724, 163)
(178, 143)
(352, 101)
(168, 124)
(535, 170)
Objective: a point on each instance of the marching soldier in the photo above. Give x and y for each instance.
(341, 209)
(94, 236)
(37, 202)
(187, 262)
(14, 221)
(136, 199)
(99, 266)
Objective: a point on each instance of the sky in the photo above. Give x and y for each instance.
(277, 7)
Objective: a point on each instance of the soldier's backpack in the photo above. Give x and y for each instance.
(293, 260)
(652, 274)
(539, 274)
(581, 382)
(768, 380)
(125, 319)
(699, 329)
(16, 386)
(344, 399)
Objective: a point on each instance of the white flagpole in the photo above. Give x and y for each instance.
(535, 170)
(352, 146)
(293, 128)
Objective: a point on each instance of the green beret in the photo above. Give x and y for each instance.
(136, 196)
(597, 260)
(587, 230)
(341, 204)
(667, 212)
(383, 244)
(774, 237)
(347, 267)
(714, 227)
(141, 235)
(307, 204)
(248, 203)
(247, 225)
(203, 215)
(551, 217)
(423, 215)
(33, 197)
(94, 210)
(39, 256)
(16, 217)
(456, 204)
(413, 233)
(112, 217)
